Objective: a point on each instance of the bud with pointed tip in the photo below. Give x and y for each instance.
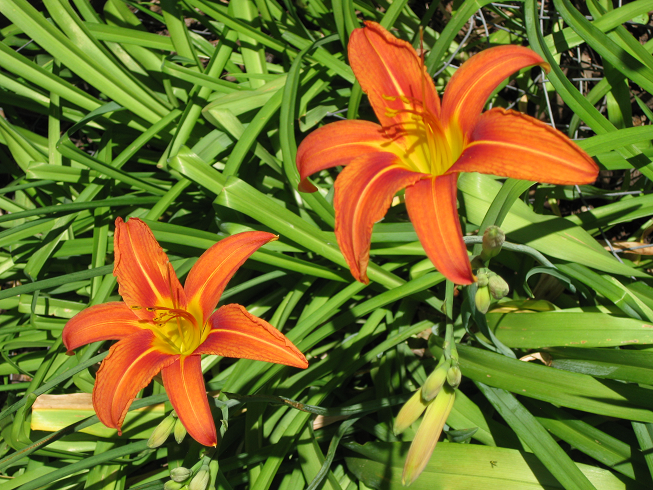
(434, 382)
(498, 286)
(482, 299)
(493, 239)
(409, 413)
(179, 474)
(428, 434)
(161, 432)
(454, 376)
(179, 432)
(201, 480)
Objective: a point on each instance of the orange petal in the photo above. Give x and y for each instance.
(184, 384)
(512, 144)
(469, 88)
(237, 333)
(211, 273)
(339, 143)
(108, 321)
(129, 367)
(431, 206)
(363, 193)
(145, 277)
(391, 74)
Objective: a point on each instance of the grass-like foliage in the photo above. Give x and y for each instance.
(188, 115)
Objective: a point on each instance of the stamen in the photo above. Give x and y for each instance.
(167, 314)
(439, 151)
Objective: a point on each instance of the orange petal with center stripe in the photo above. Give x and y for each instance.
(129, 367)
(363, 194)
(108, 321)
(211, 273)
(391, 74)
(512, 144)
(476, 79)
(431, 205)
(184, 384)
(339, 143)
(237, 333)
(142, 268)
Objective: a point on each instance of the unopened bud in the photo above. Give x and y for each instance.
(179, 432)
(201, 479)
(409, 413)
(482, 277)
(172, 485)
(161, 432)
(428, 434)
(482, 299)
(434, 382)
(179, 474)
(493, 239)
(498, 286)
(454, 376)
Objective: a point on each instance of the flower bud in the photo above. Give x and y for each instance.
(428, 434)
(482, 277)
(179, 474)
(493, 239)
(482, 299)
(201, 479)
(454, 376)
(161, 432)
(434, 382)
(498, 286)
(172, 485)
(409, 413)
(179, 432)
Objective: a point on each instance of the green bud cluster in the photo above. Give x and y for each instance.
(490, 285)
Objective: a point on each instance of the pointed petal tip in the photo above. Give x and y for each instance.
(431, 205)
(208, 442)
(466, 280)
(184, 383)
(359, 272)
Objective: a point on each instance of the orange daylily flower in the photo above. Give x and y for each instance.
(422, 146)
(164, 327)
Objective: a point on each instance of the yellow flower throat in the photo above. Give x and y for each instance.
(430, 147)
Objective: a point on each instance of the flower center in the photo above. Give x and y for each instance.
(430, 148)
(177, 331)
